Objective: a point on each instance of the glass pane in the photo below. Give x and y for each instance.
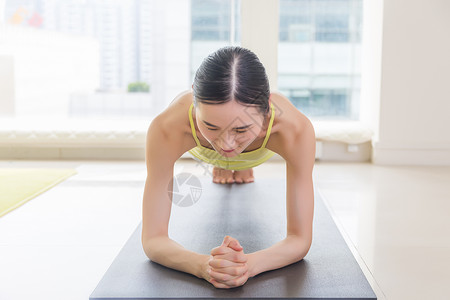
(215, 24)
(127, 60)
(80, 59)
(319, 56)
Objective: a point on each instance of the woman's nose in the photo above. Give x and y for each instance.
(228, 141)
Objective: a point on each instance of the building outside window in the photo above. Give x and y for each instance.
(319, 56)
(215, 24)
(128, 59)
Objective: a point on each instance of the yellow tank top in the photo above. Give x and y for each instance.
(242, 161)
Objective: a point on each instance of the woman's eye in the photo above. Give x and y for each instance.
(237, 131)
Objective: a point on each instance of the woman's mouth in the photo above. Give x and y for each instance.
(228, 150)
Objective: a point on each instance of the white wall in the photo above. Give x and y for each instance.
(406, 80)
(259, 25)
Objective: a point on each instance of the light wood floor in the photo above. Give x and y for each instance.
(396, 221)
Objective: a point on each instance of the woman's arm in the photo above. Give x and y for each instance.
(163, 148)
(169, 253)
(299, 153)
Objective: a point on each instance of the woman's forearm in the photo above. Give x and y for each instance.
(288, 251)
(169, 253)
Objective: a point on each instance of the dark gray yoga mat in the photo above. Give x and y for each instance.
(255, 215)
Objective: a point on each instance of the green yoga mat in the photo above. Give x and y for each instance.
(19, 185)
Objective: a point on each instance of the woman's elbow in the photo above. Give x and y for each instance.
(150, 248)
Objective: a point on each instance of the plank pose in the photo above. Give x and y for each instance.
(232, 121)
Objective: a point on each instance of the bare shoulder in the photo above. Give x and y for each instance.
(291, 129)
(173, 123)
(175, 115)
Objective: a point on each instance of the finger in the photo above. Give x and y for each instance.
(226, 241)
(221, 277)
(232, 271)
(233, 282)
(237, 257)
(234, 244)
(220, 250)
(218, 263)
(219, 285)
(231, 242)
(239, 281)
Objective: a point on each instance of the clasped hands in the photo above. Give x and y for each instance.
(227, 265)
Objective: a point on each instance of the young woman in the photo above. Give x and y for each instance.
(232, 121)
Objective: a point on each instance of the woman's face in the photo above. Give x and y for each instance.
(229, 126)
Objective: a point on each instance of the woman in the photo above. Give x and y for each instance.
(230, 120)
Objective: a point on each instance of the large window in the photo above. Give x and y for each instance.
(319, 56)
(79, 59)
(113, 59)
(128, 59)
(215, 20)
(215, 23)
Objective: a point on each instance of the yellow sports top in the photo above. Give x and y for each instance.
(242, 161)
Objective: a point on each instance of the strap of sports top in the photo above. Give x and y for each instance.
(270, 126)
(265, 139)
(192, 125)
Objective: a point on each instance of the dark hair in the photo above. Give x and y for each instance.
(232, 72)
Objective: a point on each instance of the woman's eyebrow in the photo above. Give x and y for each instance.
(240, 127)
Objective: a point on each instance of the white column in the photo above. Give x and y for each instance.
(408, 70)
(170, 33)
(371, 64)
(259, 25)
